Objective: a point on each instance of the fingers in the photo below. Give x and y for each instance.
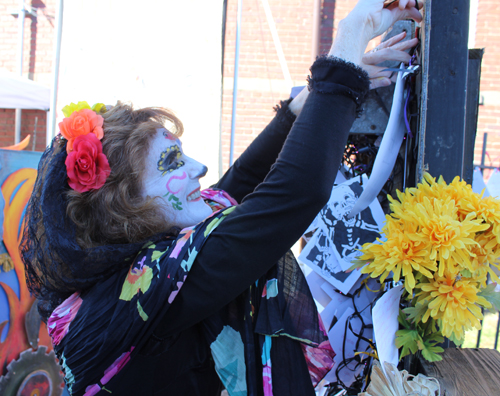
(396, 43)
(402, 4)
(404, 45)
(406, 4)
(413, 13)
(376, 72)
(392, 41)
(405, 9)
(379, 82)
(373, 58)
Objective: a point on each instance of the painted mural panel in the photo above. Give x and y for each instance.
(27, 362)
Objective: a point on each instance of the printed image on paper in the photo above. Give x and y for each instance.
(338, 238)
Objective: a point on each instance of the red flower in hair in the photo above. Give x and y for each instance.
(87, 166)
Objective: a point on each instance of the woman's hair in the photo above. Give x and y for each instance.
(118, 212)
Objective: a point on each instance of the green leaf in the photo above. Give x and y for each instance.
(415, 314)
(458, 342)
(403, 321)
(99, 108)
(407, 340)
(357, 264)
(430, 353)
(436, 337)
(491, 296)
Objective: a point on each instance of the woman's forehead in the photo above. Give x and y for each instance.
(164, 138)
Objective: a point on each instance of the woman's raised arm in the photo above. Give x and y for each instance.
(269, 220)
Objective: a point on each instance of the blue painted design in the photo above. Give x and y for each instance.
(11, 161)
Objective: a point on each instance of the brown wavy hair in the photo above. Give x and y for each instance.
(117, 212)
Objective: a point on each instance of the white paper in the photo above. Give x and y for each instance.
(385, 324)
(328, 314)
(315, 281)
(331, 291)
(478, 184)
(494, 184)
(389, 148)
(336, 337)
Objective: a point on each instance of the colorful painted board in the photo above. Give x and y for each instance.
(17, 177)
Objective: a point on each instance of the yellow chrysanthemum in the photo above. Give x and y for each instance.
(486, 254)
(448, 238)
(454, 302)
(398, 254)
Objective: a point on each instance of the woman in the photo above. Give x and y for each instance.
(117, 225)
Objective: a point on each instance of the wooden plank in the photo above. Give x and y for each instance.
(466, 372)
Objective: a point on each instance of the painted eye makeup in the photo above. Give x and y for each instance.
(169, 160)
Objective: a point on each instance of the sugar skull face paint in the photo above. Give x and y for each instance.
(174, 177)
(170, 159)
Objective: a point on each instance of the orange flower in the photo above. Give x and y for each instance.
(80, 123)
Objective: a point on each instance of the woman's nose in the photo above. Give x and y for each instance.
(196, 169)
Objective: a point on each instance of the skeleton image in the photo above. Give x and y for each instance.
(348, 234)
(337, 238)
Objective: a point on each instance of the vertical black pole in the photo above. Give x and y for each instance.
(472, 111)
(483, 153)
(444, 88)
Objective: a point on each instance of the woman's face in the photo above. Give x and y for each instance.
(174, 177)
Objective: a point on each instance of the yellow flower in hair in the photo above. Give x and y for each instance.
(72, 107)
(454, 302)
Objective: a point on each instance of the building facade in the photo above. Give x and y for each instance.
(262, 79)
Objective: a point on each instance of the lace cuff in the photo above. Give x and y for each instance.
(331, 75)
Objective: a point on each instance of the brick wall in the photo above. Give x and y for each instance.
(261, 81)
(487, 36)
(37, 62)
(28, 121)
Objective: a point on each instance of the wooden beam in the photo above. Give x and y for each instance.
(466, 372)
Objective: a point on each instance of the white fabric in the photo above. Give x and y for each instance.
(18, 92)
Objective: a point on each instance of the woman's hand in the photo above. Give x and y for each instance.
(366, 21)
(378, 17)
(393, 50)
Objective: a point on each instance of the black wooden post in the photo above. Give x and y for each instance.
(444, 86)
(472, 111)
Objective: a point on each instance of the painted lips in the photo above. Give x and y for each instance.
(194, 195)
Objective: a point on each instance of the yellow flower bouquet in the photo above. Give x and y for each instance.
(442, 240)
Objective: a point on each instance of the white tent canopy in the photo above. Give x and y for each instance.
(20, 93)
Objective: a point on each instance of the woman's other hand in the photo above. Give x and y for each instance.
(378, 17)
(366, 21)
(393, 50)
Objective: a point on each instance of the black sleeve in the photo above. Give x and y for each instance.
(250, 169)
(270, 219)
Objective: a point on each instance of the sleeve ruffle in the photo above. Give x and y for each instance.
(331, 75)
